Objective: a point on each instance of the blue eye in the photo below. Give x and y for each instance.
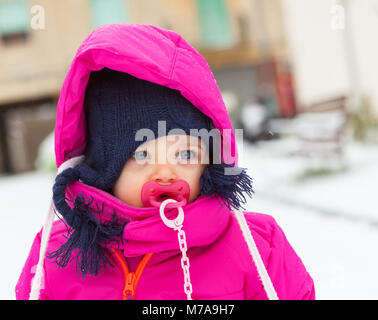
(140, 155)
(186, 154)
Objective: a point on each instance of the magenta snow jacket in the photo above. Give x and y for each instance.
(233, 255)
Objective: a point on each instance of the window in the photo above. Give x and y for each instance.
(14, 20)
(108, 11)
(214, 23)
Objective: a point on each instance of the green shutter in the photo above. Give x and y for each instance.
(14, 17)
(108, 11)
(214, 23)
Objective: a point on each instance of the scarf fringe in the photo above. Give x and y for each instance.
(87, 235)
(231, 189)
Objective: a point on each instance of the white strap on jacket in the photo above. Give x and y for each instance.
(38, 277)
(253, 250)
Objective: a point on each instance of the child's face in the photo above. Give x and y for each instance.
(163, 160)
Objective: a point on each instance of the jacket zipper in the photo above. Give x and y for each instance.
(131, 278)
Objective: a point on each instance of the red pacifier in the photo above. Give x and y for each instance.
(153, 193)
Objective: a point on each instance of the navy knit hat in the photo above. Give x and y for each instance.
(117, 106)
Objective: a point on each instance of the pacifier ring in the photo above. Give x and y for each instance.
(171, 223)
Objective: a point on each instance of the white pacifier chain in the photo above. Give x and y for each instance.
(176, 224)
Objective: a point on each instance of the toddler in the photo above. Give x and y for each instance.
(148, 189)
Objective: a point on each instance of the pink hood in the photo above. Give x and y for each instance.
(146, 52)
(220, 263)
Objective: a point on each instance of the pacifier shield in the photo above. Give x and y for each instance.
(153, 193)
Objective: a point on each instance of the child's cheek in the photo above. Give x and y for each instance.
(194, 193)
(194, 184)
(128, 188)
(131, 195)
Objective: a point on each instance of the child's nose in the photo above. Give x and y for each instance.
(163, 174)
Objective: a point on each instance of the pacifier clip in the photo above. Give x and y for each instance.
(177, 224)
(173, 195)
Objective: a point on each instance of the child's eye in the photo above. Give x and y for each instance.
(140, 155)
(186, 154)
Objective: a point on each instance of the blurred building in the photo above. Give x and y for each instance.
(242, 40)
(333, 50)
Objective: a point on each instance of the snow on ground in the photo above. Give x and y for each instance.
(329, 220)
(25, 200)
